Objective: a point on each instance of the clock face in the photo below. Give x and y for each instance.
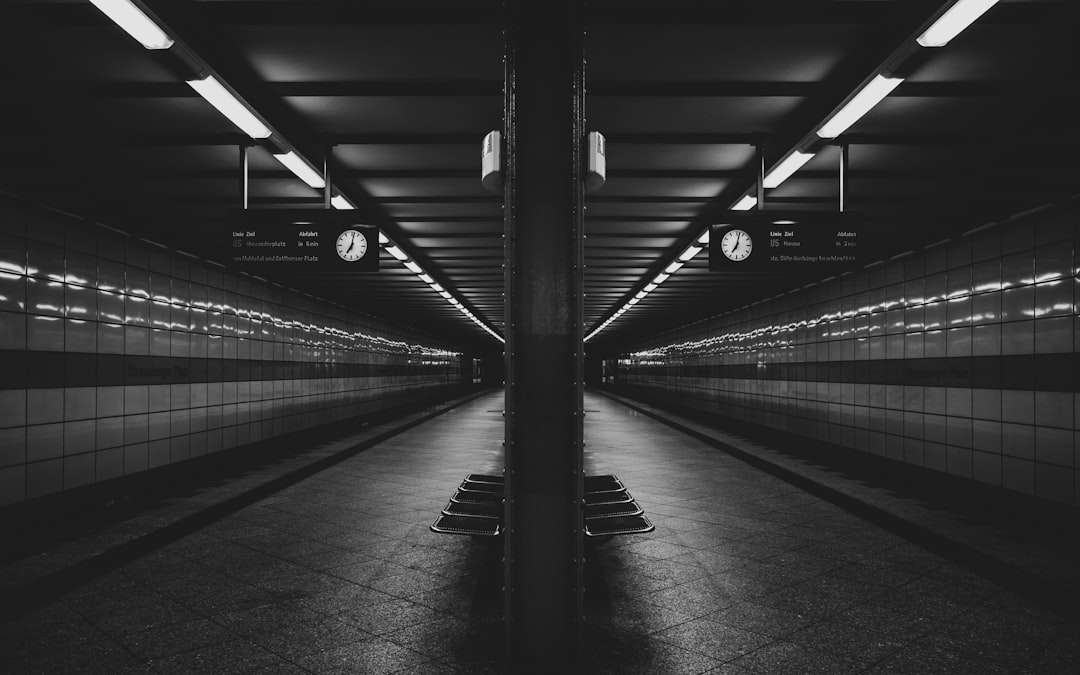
(351, 245)
(736, 244)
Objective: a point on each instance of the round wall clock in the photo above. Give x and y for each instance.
(351, 245)
(736, 244)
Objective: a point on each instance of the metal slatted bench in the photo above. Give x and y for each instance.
(472, 525)
(471, 497)
(476, 486)
(476, 508)
(619, 497)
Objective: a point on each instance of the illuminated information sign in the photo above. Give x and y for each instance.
(768, 242)
(313, 241)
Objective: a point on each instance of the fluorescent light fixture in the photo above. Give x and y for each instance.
(640, 295)
(437, 288)
(860, 104)
(445, 294)
(660, 278)
(745, 204)
(339, 202)
(396, 252)
(413, 267)
(304, 171)
(787, 166)
(953, 22)
(673, 268)
(135, 23)
(633, 301)
(228, 105)
(426, 279)
(650, 288)
(704, 238)
(689, 253)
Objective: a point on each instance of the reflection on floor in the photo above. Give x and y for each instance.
(339, 573)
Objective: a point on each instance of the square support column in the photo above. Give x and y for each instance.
(544, 208)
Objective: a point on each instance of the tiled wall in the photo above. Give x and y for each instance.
(117, 357)
(962, 358)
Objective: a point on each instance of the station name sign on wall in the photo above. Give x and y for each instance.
(784, 241)
(308, 240)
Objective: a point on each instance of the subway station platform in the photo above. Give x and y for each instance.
(325, 563)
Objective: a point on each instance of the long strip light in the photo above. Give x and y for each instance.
(953, 22)
(415, 267)
(860, 104)
(340, 202)
(950, 24)
(135, 23)
(688, 254)
(228, 105)
(787, 166)
(304, 171)
(745, 204)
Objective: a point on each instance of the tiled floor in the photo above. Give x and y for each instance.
(339, 573)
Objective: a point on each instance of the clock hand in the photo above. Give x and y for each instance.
(351, 243)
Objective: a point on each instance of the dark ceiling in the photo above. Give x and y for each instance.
(982, 128)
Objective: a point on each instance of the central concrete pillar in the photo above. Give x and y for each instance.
(543, 193)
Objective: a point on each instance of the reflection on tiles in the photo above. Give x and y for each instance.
(1000, 314)
(98, 315)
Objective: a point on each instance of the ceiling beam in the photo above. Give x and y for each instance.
(31, 138)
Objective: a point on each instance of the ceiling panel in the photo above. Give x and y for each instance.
(403, 93)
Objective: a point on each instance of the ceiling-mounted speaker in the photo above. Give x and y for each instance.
(491, 162)
(595, 162)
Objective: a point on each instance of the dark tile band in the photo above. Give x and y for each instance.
(39, 370)
(1038, 372)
